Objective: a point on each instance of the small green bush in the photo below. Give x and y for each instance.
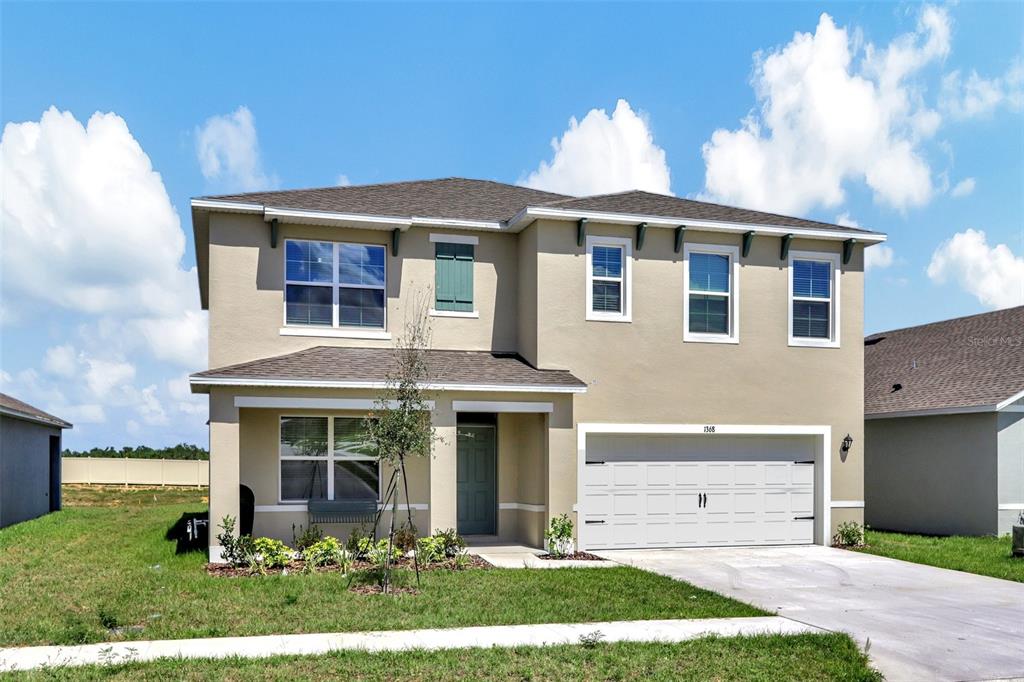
(430, 550)
(558, 535)
(378, 553)
(451, 542)
(236, 550)
(306, 537)
(849, 534)
(405, 538)
(327, 552)
(270, 553)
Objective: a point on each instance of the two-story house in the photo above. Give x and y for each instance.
(668, 372)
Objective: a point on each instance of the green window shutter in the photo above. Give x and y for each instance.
(453, 278)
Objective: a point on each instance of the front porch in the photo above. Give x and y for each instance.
(490, 473)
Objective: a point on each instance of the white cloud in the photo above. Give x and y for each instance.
(181, 339)
(828, 117)
(342, 181)
(186, 401)
(603, 154)
(963, 188)
(61, 361)
(229, 152)
(993, 274)
(102, 377)
(975, 96)
(845, 220)
(878, 257)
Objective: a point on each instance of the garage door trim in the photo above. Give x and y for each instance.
(823, 483)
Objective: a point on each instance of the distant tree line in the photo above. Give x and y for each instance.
(179, 451)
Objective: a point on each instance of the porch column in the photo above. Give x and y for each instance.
(561, 459)
(224, 476)
(443, 468)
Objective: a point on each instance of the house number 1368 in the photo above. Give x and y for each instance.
(709, 429)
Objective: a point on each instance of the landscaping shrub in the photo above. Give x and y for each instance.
(327, 552)
(405, 538)
(236, 550)
(558, 536)
(430, 549)
(849, 534)
(306, 537)
(270, 553)
(451, 542)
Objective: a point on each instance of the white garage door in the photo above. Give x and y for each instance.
(680, 491)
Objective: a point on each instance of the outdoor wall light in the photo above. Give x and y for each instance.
(847, 443)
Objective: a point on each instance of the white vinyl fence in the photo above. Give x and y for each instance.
(128, 471)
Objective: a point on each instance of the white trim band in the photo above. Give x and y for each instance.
(360, 404)
(847, 504)
(502, 406)
(312, 383)
(454, 239)
(475, 314)
(302, 507)
(522, 506)
(1012, 506)
(335, 333)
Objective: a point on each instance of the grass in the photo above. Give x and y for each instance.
(989, 556)
(102, 570)
(768, 657)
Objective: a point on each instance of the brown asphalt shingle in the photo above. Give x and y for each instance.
(14, 405)
(453, 198)
(967, 362)
(329, 363)
(461, 198)
(647, 203)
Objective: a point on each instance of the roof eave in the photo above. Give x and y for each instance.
(202, 384)
(531, 213)
(55, 422)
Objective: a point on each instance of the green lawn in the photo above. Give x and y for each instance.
(982, 555)
(768, 658)
(102, 570)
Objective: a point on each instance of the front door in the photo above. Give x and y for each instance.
(476, 495)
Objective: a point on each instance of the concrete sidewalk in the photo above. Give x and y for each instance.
(26, 658)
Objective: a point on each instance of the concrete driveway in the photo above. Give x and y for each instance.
(923, 623)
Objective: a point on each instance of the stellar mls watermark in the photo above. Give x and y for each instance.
(992, 341)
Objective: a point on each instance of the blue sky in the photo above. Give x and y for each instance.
(902, 118)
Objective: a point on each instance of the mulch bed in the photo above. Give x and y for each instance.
(377, 589)
(298, 568)
(575, 556)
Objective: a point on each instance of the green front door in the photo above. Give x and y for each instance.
(475, 487)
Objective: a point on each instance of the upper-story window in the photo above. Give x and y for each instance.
(331, 284)
(711, 293)
(814, 299)
(453, 275)
(609, 285)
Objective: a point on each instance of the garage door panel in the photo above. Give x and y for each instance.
(714, 503)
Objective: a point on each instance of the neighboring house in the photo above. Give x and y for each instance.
(668, 372)
(944, 436)
(29, 461)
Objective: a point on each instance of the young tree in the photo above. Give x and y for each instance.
(399, 426)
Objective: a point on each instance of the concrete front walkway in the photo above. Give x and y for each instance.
(27, 658)
(505, 555)
(923, 623)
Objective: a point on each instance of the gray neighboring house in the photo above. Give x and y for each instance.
(944, 426)
(30, 445)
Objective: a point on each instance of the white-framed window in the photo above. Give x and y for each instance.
(814, 299)
(711, 293)
(335, 285)
(310, 470)
(609, 284)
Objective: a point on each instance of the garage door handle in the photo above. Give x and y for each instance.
(806, 461)
(588, 522)
(803, 518)
(598, 463)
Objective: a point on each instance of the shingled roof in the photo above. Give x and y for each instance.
(485, 200)
(969, 363)
(370, 367)
(13, 407)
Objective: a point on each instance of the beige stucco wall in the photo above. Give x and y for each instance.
(933, 475)
(530, 291)
(643, 371)
(247, 289)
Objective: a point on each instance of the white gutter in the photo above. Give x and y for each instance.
(522, 220)
(58, 424)
(436, 386)
(531, 213)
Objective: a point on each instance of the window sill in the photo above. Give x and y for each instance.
(596, 317)
(455, 313)
(813, 343)
(335, 333)
(710, 338)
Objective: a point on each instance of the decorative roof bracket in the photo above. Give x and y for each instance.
(641, 233)
(748, 239)
(784, 252)
(581, 231)
(680, 231)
